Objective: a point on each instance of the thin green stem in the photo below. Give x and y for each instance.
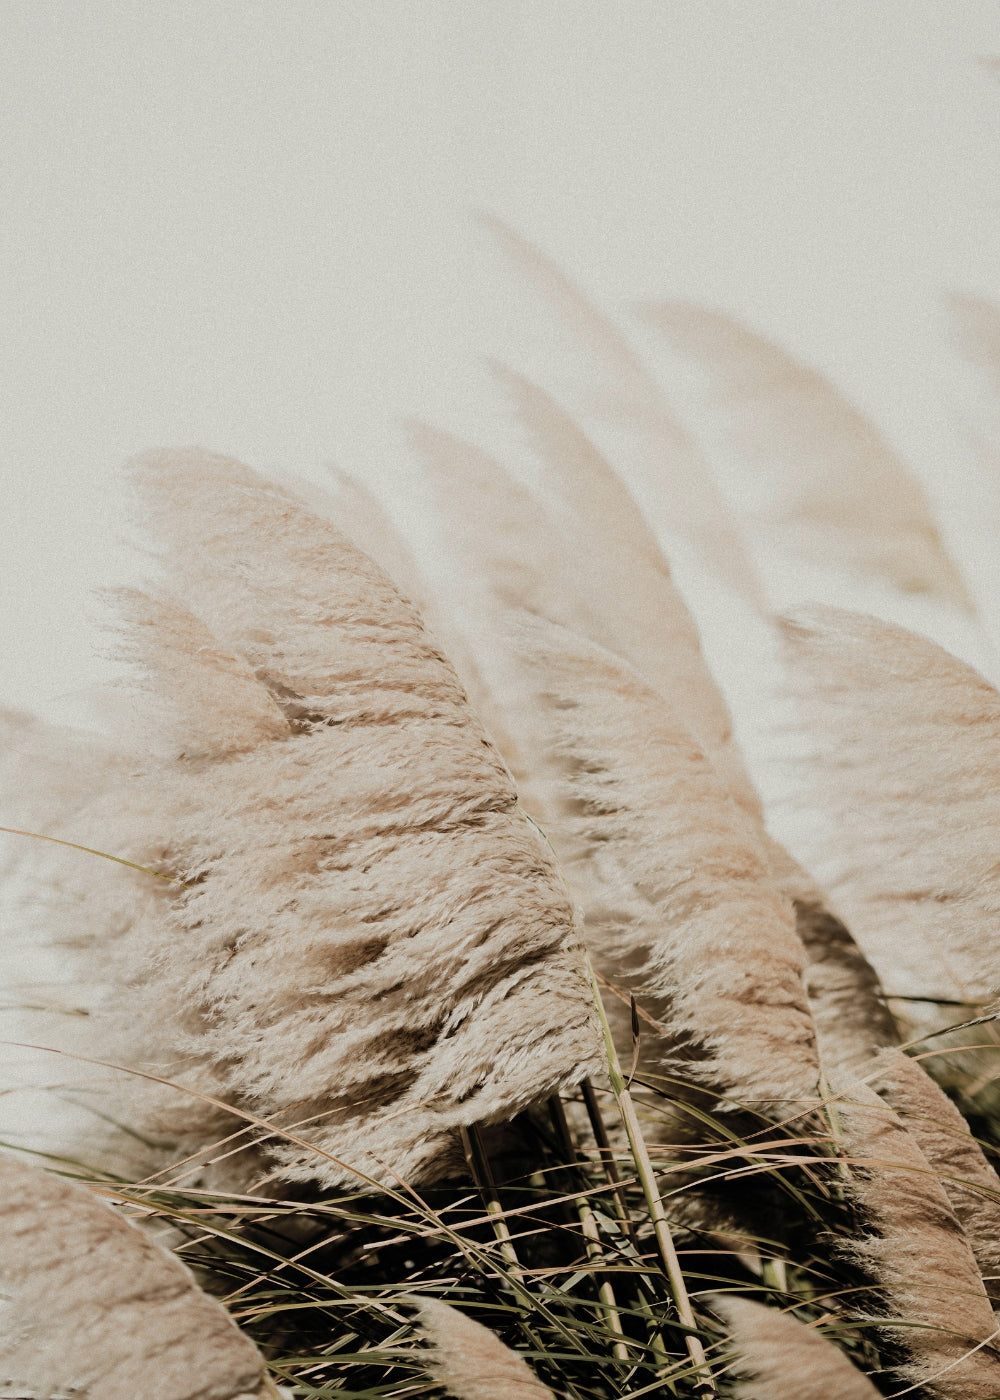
(654, 1202)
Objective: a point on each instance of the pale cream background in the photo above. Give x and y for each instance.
(246, 225)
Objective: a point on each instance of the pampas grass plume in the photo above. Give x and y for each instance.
(469, 1361)
(783, 1359)
(905, 769)
(917, 1254)
(842, 493)
(93, 1307)
(672, 882)
(373, 940)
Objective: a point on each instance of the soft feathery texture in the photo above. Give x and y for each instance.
(47, 772)
(469, 1361)
(780, 1358)
(634, 607)
(583, 576)
(905, 770)
(675, 891)
(856, 1033)
(849, 1009)
(932, 1295)
(93, 1308)
(577, 571)
(360, 515)
(944, 1137)
(373, 941)
(674, 472)
(841, 493)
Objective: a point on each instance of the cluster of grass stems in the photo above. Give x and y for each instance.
(592, 1234)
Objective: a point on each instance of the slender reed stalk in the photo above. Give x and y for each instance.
(654, 1203)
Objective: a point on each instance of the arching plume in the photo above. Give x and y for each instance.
(581, 573)
(943, 1136)
(672, 467)
(358, 513)
(843, 495)
(917, 1254)
(783, 1359)
(857, 1034)
(906, 772)
(849, 1008)
(93, 1307)
(469, 1361)
(372, 940)
(676, 894)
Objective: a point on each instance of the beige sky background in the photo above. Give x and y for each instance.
(248, 226)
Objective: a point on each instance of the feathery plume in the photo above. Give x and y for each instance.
(469, 1361)
(359, 514)
(371, 938)
(853, 1024)
(585, 578)
(917, 1254)
(673, 469)
(906, 770)
(843, 492)
(944, 1137)
(580, 572)
(783, 1359)
(848, 1005)
(673, 885)
(92, 1306)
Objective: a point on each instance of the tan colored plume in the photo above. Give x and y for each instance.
(856, 1033)
(580, 572)
(577, 568)
(676, 893)
(944, 1137)
(782, 1358)
(673, 471)
(373, 941)
(469, 1361)
(852, 1019)
(934, 1301)
(93, 1307)
(842, 494)
(905, 770)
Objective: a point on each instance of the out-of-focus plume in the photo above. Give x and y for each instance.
(780, 1358)
(469, 1361)
(905, 771)
(673, 469)
(93, 1307)
(841, 492)
(577, 568)
(48, 772)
